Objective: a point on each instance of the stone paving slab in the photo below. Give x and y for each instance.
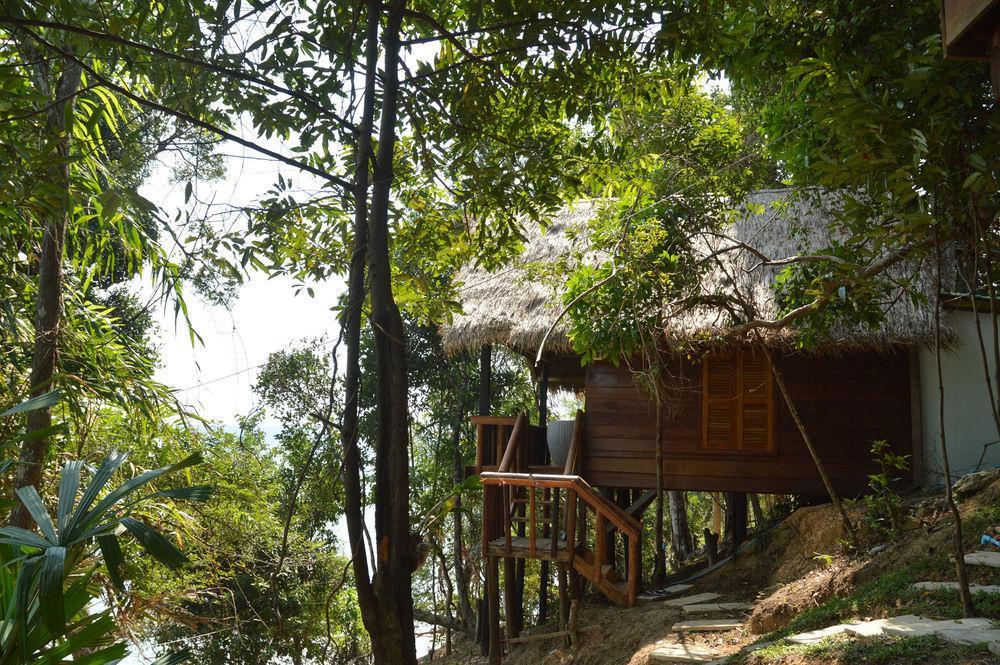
(922, 626)
(991, 559)
(707, 625)
(813, 636)
(692, 600)
(953, 586)
(970, 635)
(873, 628)
(654, 595)
(707, 608)
(683, 653)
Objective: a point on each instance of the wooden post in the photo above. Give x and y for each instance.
(485, 379)
(736, 514)
(493, 600)
(511, 598)
(543, 419)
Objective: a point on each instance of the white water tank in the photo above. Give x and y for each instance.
(558, 436)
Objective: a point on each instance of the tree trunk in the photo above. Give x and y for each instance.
(968, 609)
(758, 513)
(48, 308)
(394, 549)
(351, 326)
(465, 614)
(680, 531)
(779, 379)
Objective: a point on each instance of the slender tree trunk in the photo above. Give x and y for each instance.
(49, 304)
(758, 512)
(832, 493)
(351, 326)
(680, 530)
(968, 609)
(394, 549)
(465, 614)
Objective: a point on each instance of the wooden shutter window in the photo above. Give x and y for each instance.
(738, 407)
(720, 398)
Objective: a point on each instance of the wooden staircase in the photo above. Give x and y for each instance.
(558, 517)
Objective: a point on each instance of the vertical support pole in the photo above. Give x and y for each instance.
(485, 397)
(511, 598)
(493, 600)
(543, 419)
(485, 379)
(736, 506)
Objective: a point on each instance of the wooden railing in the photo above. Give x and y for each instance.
(571, 540)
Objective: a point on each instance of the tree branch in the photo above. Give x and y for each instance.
(196, 62)
(186, 117)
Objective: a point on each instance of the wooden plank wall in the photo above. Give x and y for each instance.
(845, 402)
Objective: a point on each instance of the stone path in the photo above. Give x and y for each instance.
(959, 631)
(662, 594)
(692, 600)
(684, 653)
(708, 608)
(953, 586)
(991, 559)
(707, 625)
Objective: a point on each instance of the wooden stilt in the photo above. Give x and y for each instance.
(493, 600)
(543, 578)
(511, 598)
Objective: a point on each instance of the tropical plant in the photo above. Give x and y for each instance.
(46, 579)
(882, 503)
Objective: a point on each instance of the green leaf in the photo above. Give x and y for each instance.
(38, 402)
(133, 484)
(155, 543)
(111, 550)
(22, 594)
(69, 484)
(36, 508)
(192, 493)
(97, 483)
(53, 571)
(13, 535)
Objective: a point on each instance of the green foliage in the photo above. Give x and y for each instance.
(681, 165)
(46, 588)
(882, 503)
(864, 651)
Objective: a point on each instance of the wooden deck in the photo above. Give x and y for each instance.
(520, 548)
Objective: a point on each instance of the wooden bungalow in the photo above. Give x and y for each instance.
(726, 427)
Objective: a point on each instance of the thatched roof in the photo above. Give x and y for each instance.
(515, 306)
